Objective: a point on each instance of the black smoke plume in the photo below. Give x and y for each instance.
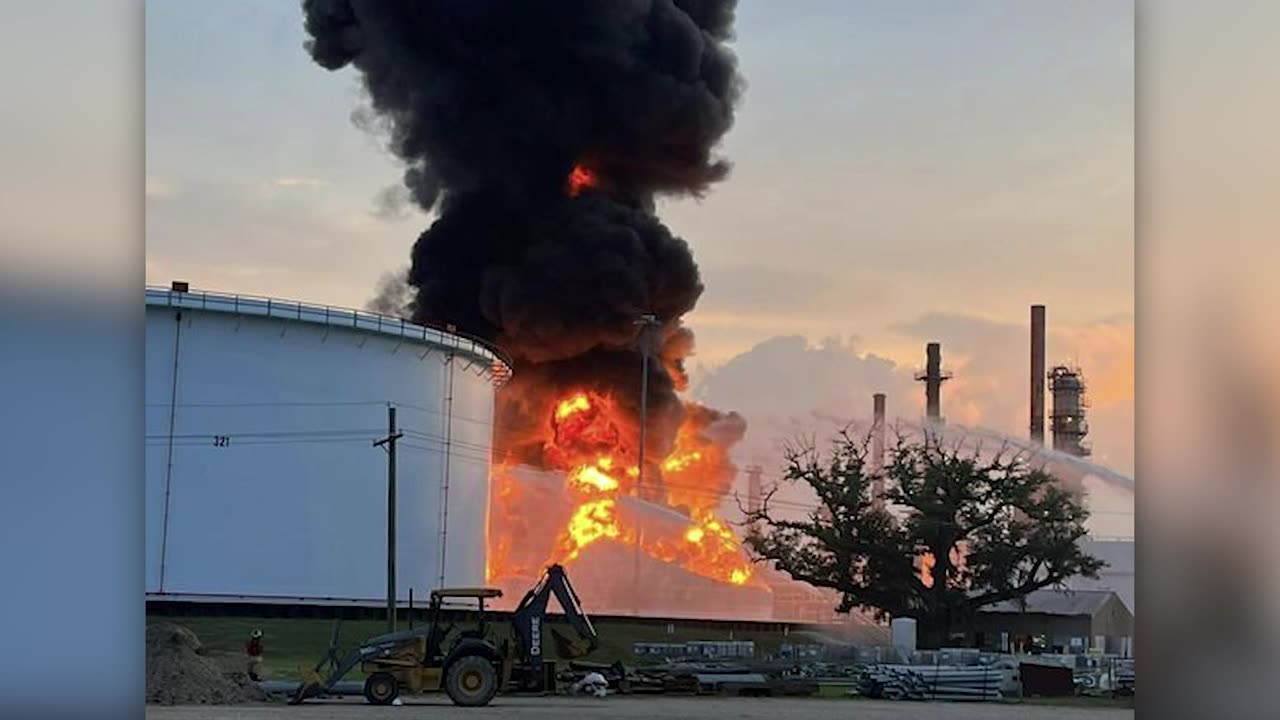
(491, 104)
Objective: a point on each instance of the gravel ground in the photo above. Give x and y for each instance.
(613, 708)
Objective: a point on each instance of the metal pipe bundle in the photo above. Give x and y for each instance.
(934, 682)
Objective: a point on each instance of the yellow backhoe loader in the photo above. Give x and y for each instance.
(467, 662)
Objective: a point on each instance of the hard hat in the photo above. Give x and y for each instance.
(256, 633)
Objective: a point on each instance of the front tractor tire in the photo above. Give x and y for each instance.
(381, 688)
(471, 681)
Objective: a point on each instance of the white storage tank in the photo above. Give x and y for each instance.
(902, 635)
(262, 481)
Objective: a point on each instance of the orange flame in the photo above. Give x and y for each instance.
(591, 521)
(707, 548)
(581, 178)
(694, 473)
(589, 477)
(678, 461)
(586, 442)
(576, 404)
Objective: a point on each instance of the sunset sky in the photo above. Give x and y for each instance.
(903, 172)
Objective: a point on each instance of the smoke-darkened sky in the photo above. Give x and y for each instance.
(902, 172)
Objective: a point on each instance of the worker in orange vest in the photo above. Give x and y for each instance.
(253, 649)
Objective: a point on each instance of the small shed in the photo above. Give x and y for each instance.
(1057, 621)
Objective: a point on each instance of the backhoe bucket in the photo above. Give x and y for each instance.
(304, 691)
(310, 687)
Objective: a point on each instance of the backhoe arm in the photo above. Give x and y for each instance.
(529, 616)
(573, 611)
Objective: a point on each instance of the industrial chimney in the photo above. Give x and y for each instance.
(753, 488)
(932, 378)
(1037, 374)
(1069, 425)
(877, 450)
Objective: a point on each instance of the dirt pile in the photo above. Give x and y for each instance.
(181, 671)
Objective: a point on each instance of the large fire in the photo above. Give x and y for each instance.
(605, 487)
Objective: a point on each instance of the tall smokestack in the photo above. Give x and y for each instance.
(1037, 374)
(753, 488)
(877, 449)
(932, 378)
(933, 381)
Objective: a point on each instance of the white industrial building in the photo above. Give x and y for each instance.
(262, 480)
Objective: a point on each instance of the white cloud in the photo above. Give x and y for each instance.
(787, 379)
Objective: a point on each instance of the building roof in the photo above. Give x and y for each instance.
(1055, 602)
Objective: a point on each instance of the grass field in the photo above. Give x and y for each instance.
(291, 643)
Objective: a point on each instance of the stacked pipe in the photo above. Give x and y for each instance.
(936, 682)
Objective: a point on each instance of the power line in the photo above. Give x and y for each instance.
(240, 443)
(269, 433)
(269, 404)
(460, 451)
(489, 424)
(481, 452)
(309, 403)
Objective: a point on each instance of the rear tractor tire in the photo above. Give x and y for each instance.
(471, 681)
(381, 688)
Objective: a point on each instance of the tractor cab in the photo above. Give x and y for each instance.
(445, 600)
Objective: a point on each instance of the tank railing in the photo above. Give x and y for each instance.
(497, 364)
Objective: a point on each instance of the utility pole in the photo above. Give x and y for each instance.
(388, 443)
(646, 323)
